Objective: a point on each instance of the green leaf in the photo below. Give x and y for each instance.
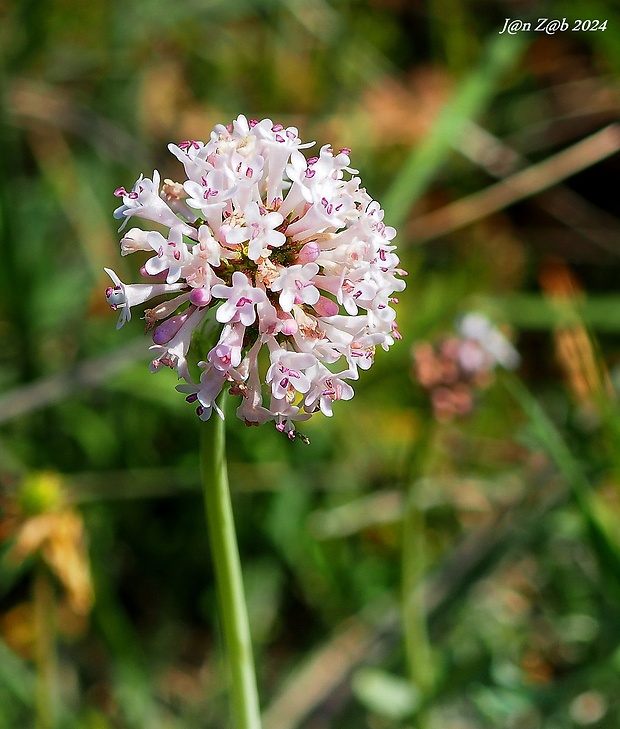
(469, 101)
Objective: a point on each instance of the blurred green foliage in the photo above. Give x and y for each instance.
(502, 527)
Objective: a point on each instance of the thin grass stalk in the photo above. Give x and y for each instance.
(45, 627)
(418, 650)
(227, 567)
(415, 628)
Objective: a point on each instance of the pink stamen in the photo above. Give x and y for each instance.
(291, 373)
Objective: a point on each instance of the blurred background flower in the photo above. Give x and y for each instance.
(454, 368)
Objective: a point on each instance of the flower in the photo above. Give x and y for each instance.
(492, 345)
(240, 298)
(265, 250)
(455, 367)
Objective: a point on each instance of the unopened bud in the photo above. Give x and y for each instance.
(170, 328)
(326, 307)
(200, 297)
(309, 253)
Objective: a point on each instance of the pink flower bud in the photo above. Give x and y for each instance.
(289, 325)
(200, 297)
(326, 307)
(170, 328)
(161, 276)
(309, 253)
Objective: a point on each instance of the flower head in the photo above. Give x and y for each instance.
(454, 368)
(273, 251)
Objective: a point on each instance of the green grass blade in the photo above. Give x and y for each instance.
(533, 311)
(471, 97)
(550, 439)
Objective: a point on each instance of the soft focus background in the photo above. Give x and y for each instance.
(412, 567)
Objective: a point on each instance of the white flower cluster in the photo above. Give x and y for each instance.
(281, 264)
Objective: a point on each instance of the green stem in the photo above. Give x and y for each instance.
(227, 566)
